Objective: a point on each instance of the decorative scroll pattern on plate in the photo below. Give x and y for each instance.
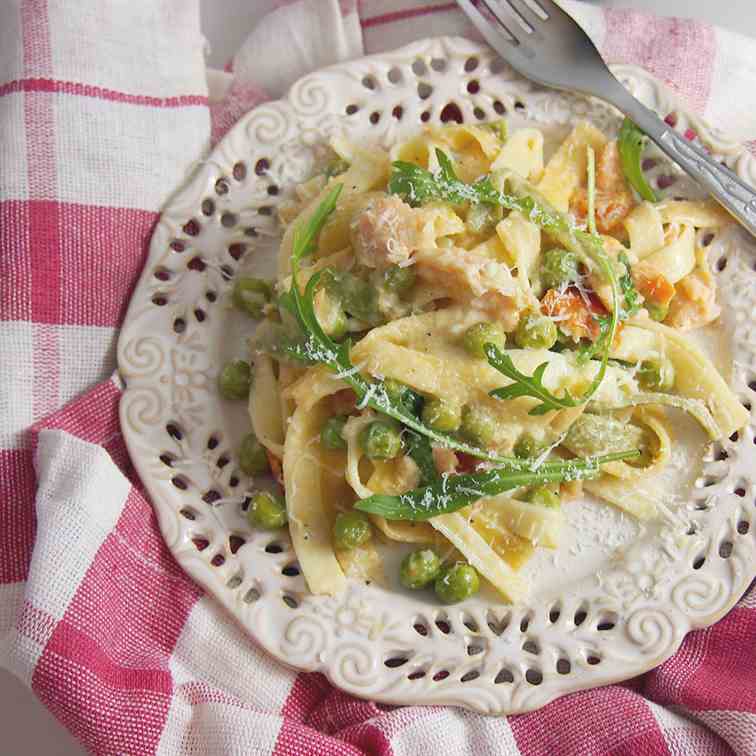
(375, 642)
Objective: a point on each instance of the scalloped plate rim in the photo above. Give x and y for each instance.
(192, 561)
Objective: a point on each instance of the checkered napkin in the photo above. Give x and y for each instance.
(103, 108)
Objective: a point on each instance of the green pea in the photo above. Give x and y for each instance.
(527, 447)
(544, 496)
(657, 312)
(252, 457)
(331, 434)
(381, 439)
(357, 296)
(656, 376)
(399, 280)
(235, 380)
(251, 295)
(480, 334)
(456, 583)
(559, 267)
(336, 167)
(419, 568)
(351, 529)
(442, 415)
(535, 331)
(266, 511)
(478, 424)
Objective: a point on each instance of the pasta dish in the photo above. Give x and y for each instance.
(461, 338)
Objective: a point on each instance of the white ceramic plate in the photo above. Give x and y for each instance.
(614, 601)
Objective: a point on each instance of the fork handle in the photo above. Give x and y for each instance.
(730, 191)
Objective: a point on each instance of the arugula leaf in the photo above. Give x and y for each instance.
(454, 492)
(589, 349)
(404, 396)
(284, 346)
(446, 167)
(526, 385)
(630, 143)
(629, 306)
(412, 183)
(419, 449)
(416, 185)
(630, 294)
(305, 234)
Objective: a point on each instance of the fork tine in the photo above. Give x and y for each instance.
(529, 16)
(551, 9)
(494, 9)
(512, 7)
(489, 32)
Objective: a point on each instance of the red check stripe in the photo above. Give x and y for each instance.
(44, 251)
(722, 680)
(116, 638)
(321, 719)
(404, 15)
(103, 252)
(43, 216)
(15, 262)
(70, 264)
(610, 720)
(17, 520)
(79, 89)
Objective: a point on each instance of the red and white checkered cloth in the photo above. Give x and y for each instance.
(103, 108)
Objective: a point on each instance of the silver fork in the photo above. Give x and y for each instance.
(543, 43)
